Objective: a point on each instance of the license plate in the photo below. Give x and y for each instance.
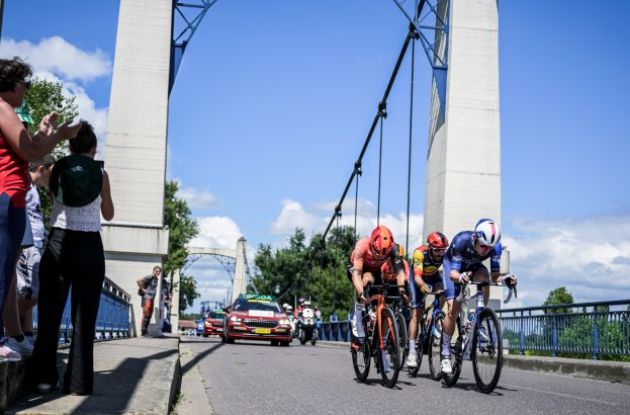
(262, 331)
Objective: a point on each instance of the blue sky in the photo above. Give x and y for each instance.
(273, 101)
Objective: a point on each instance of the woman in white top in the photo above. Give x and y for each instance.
(73, 260)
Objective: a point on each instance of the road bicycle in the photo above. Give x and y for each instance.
(381, 338)
(429, 337)
(479, 340)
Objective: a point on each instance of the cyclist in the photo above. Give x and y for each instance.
(463, 263)
(298, 309)
(366, 260)
(427, 259)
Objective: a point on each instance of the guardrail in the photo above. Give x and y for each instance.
(590, 329)
(593, 329)
(112, 320)
(338, 331)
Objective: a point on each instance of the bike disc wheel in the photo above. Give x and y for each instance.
(388, 361)
(434, 346)
(487, 351)
(456, 360)
(403, 342)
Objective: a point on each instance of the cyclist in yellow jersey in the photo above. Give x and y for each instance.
(427, 259)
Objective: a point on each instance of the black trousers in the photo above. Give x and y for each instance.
(73, 261)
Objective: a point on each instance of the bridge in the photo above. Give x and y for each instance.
(137, 375)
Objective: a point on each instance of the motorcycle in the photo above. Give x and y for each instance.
(293, 324)
(307, 326)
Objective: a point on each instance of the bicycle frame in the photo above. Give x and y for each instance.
(380, 306)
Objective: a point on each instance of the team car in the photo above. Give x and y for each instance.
(213, 324)
(256, 317)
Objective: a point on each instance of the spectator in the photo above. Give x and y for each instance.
(17, 148)
(165, 300)
(73, 259)
(148, 290)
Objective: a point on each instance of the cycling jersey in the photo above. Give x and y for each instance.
(389, 271)
(424, 265)
(461, 256)
(363, 259)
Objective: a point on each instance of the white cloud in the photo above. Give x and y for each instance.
(292, 216)
(56, 60)
(590, 257)
(56, 55)
(315, 219)
(198, 199)
(216, 232)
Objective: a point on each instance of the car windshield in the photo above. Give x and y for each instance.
(215, 315)
(248, 305)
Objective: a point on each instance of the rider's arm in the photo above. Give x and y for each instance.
(418, 268)
(495, 263)
(357, 272)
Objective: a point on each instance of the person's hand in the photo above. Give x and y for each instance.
(424, 289)
(464, 277)
(511, 280)
(361, 298)
(68, 131)
(47, 124)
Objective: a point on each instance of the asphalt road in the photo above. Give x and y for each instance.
(256, 378)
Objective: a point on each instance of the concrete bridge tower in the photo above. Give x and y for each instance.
(464, 163)
(135, 150)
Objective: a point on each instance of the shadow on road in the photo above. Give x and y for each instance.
(200, 356)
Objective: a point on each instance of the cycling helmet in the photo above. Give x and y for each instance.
(437, 240)
(487, 232)
(301, 301)
(381, 241)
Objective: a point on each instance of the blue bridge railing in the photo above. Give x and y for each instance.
(112, 320)
(586, 329)
(592, 329)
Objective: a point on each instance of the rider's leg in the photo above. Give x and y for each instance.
(481, 274)
(357, 318)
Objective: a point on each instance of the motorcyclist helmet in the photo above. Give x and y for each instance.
(307, 303)
(301, 301)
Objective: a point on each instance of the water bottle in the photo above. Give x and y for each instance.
(372, 317)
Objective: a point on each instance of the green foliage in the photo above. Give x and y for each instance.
(314, 270)
(44, 97)
(559, 296)
(182, 228)
(187, 292)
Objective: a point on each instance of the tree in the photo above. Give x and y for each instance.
(44, 97)
(559, 296)
(187, 292)
(316, 270)
(182, 228)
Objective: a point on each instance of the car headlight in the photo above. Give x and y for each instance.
(285, 322)
(235, 319)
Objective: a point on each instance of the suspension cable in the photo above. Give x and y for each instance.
(357, 170)
(411, 89)
(380, 164)
(381, 108)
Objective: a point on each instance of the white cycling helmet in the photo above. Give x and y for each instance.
(487, 232)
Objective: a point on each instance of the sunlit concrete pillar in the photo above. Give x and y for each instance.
(135, 150)
(464, 156)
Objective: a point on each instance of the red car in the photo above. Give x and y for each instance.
(257, 317)
(213, 324)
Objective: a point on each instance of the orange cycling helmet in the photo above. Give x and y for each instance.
(437, 241)
(381, 241)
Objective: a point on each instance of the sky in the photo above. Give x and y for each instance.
(273, 101)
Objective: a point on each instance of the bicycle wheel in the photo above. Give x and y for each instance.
(456, 358)
(413, 371)
(389, 354)
(361, 358)
(433, 347)
(403, 344)
(487, 351)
